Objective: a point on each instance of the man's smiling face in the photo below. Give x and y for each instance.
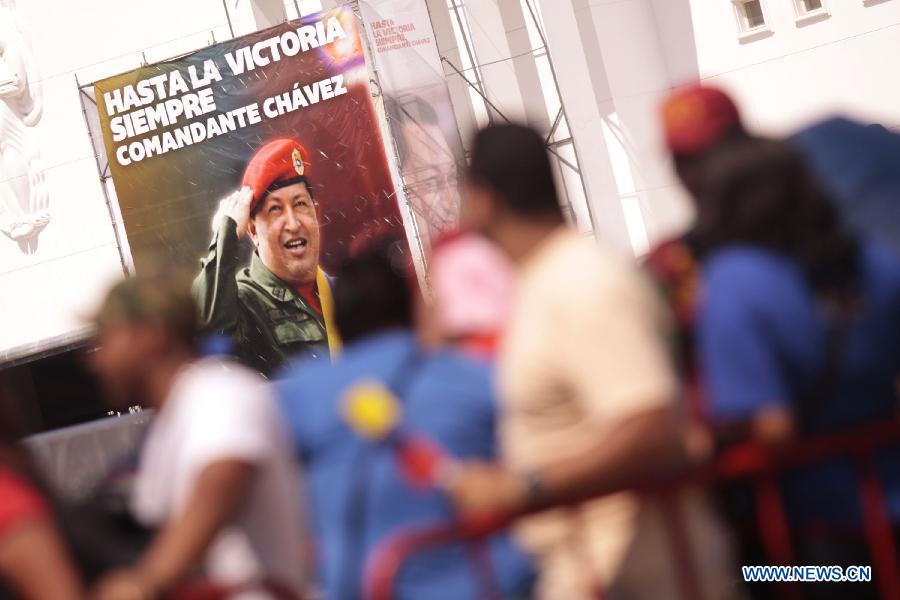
(285, 229)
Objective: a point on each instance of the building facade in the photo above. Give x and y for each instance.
(588, 74)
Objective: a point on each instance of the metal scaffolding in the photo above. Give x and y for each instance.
(471, 74)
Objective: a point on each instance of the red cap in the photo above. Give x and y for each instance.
(698, 117)
(277, 164)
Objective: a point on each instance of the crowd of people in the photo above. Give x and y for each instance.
(546, 377)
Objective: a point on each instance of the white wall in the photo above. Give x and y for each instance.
(615, 61)
(638, 50)
(802, 72)
(47, 293)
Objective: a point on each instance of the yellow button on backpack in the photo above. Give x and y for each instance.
(371, 410)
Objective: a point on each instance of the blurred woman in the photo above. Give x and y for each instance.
(34, 562)
(797, 331)
(699, 122)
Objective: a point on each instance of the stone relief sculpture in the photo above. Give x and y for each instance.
(24, 201)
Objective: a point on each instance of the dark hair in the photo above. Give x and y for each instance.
(760, 192)
(12, 427)
(693, 168)
(410, 109)
(512, 161)
(161, 296)
(13, 454)
(277, 186)
(372, 292)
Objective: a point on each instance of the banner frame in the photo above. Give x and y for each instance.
(410, 225)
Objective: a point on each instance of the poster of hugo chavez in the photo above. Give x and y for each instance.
(259, 163)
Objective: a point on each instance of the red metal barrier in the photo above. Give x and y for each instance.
(745, 461)
(388, 558)
(206, 590)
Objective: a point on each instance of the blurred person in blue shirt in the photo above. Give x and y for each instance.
(698, 122)
(358, 496)
(797, 330)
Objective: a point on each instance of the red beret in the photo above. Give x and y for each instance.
(277, 164)
(698, 117)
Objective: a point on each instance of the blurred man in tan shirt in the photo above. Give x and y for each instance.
(590, 399)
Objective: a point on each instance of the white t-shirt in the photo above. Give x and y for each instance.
(218, 410)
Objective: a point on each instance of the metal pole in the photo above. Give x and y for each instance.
(228, 17)
(550, 148)
(109, 207)
(476, 88)
(505, 118)
(416, 246)
(562, 107)
(554, 126)
(472, 59)
(565, 190)
(459, 134)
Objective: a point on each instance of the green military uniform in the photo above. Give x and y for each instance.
(267, 321)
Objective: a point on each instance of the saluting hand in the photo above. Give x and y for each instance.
(236, 206)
